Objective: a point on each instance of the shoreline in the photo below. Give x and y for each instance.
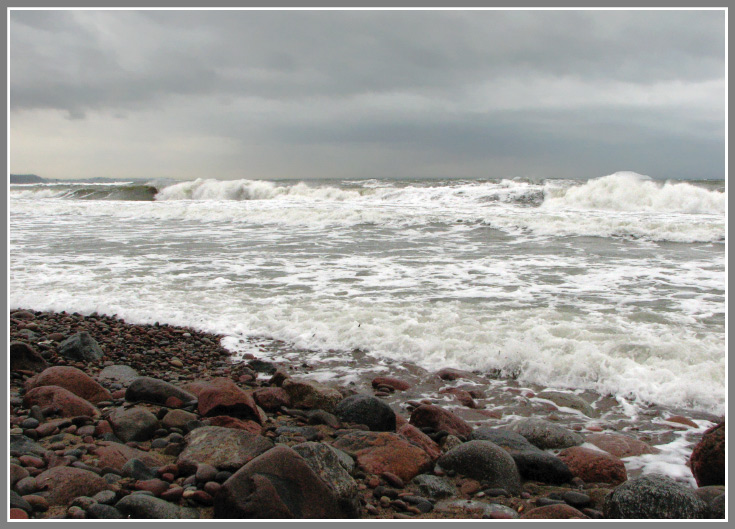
(184, 357)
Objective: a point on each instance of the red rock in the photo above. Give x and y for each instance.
(391, 382)
(233, 422)
(168, 469)
(559, 511)
(119, 394)
(493, 414)
(392, 480)
(26, 358)
(593, 466)
(470, 486)
(594, 428)
(462, 396)
(38, 503)
(271, 399)
(452, 374)
(115, 455)
(708, 457)
(18, 514)
(156, 486)
(429, 415)
(61, 400)
(312, 395)
(173, 494)
(682, 420)
(66, 483)
(102, 428)
(379, 452)
(31, 461)
(420, 439)
(174, 402)
(72, 379)
(620, 445)
(221, 396)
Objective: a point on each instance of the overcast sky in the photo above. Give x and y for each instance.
(367, 94)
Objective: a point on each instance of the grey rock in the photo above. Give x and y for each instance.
(26, 486)
(483, 461)
(569, 400)
(144, 506)
(653, 496)
(223, 448)
(106, 496)
(434, 486)
(503, 438)
(367, 410)
(544, 434)
(326, 464)
(716, 508)
(155, 391)
(101, 511)
(16, 502)
(134, 424)
(117, 374)
(135, 468)
(81, 347)
(22, 445)
(474, 507)
(538, 465)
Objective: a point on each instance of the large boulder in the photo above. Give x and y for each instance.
(25, 358)
(708, 457)
(63, 484)
(653, 497)
(221, 396)
(155, 391)
(431, 416)
(115, 455)
(223, 448)
(532, 462)
(420, 439)
(594, 466)
(544, 434)
(484, 461)
(312, 395)
(144, 506)
(378, 452)
(277, 484)
(72, 379)
(81, 347)
(133, 424)
(620, 445)
(62, 400)
(271, 399)
(367, 410)
(327, 463)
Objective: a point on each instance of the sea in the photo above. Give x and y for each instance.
(615, 284)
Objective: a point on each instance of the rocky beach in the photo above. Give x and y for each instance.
(112, 420)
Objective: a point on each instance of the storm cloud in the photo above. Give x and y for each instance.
(363, 94)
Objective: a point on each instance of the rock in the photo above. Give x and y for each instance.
(177, 419)
(17, 514)
(143, 506)
(378, 452)
(238, 424)
(26, 486)
(23, 315)
(421, 440)
(66, 483)
(367, 410)
(223, 448)
(38, 503)
(17, 473)
(708, 457)
(434, 486)
(100, 511)
(682, 420)
(484, 461)
(561, 511)
(155, 485)
(271, 399)
(117, 374)
(594, 466)
(568, 400)
(72, 379)
(26, 358)
(538, 465)
(653, 496)
(106, 496)
(391, 382)
(311, 395)
(277, 484)
(62, 400)
(503, 438)
(429, 415)
(221, 396)
(716, 508)
(115, 455)
(462, 396)
(17, 502)
(155, 391)
(544, 434)
(452, 374)
(22, 445)
(134, 424)
(475, 509)
(80, 347)
(620, 445)
(137, 469)
(323, 417)
(327, 464)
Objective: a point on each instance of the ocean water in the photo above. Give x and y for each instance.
(615, 284)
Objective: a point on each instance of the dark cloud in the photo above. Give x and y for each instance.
(548, 89)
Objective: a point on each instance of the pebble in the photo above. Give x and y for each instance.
(30, 423)
(392, 479)
(106, 496)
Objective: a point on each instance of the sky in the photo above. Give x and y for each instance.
(367, 94)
